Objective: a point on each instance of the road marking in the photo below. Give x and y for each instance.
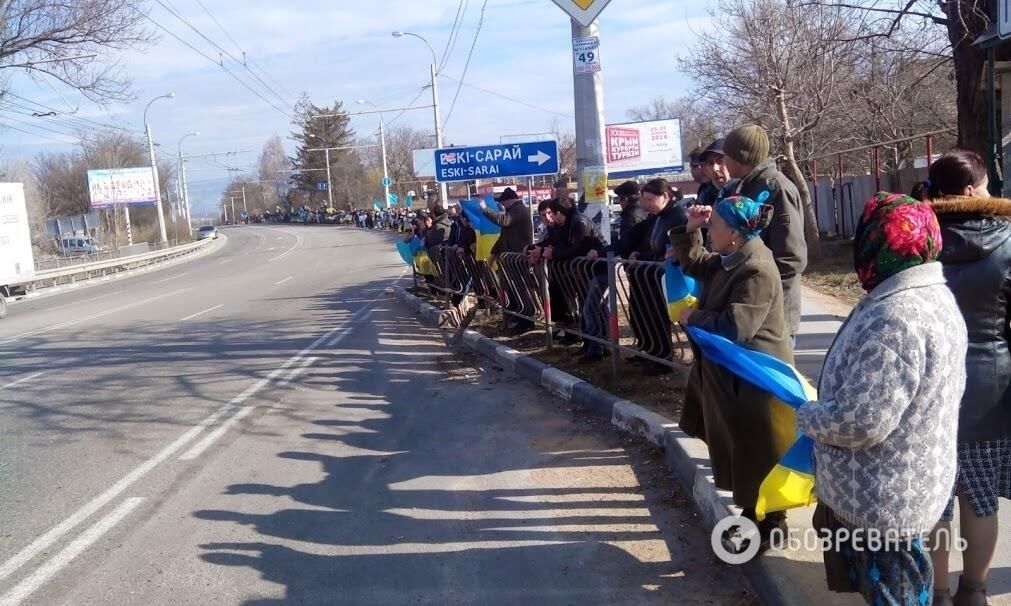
(344, 330)
(172, 278)
(298, 244)
(297, 371)
(22, 380)
(112, 294)
(38, 578)
(200, 313)
(288, 279)
(92, 316)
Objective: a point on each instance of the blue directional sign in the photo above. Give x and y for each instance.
(321, 186)
(496, 161)
(386, 182)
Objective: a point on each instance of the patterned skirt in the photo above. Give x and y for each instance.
(984, 475)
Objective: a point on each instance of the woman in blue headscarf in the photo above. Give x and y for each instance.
(741, 300)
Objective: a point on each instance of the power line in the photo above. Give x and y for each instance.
(454, 33)
(480, 23)
(214, 61)
(413, 101)
(67, 116)
(506, 97)
(186, 22)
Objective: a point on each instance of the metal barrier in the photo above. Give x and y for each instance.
(616, 305)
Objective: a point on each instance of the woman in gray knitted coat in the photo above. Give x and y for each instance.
(885, 421)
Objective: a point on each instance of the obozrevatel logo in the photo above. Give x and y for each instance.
(735, 540)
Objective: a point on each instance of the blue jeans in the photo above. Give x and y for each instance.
(595, 314)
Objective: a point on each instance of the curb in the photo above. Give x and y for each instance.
(687, 458)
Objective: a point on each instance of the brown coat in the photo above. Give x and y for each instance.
(517, 228)
(742, 300)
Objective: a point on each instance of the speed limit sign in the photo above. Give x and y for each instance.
(586, 55)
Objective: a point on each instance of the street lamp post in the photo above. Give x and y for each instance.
(435, 104)
(154, 169)
(184, 194)
(382, 140)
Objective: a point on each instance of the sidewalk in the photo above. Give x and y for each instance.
(822, 318)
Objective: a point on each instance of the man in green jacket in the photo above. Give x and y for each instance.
(517, 234)
(746, 156)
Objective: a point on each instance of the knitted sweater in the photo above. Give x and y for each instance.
(886, 417)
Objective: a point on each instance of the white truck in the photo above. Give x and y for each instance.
(17, 265)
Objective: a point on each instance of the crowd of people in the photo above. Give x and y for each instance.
(914, 401)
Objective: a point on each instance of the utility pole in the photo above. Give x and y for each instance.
(382, 140)
(329, 182)
(154, 169)
(588, 89)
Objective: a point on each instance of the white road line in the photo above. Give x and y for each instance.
(200, 313)
(223, 261)
(288, 279)
(297, 371)
(21, 380)
(167, 279)
(345, 329)
(112, 294)
(42, 574)
(298, 244)
(92, 316)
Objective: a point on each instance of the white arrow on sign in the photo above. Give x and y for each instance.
(540, 158)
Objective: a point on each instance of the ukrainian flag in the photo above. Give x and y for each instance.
(488, 231)
(404, 248)
(791, 482)
(419, 255)
(681, 291)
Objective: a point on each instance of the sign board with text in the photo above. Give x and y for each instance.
(424, 163)
(643, 148)
(582, 11)
(586, 55)
(116, 187)
(528, 159)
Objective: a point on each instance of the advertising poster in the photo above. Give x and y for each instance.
(643, 148)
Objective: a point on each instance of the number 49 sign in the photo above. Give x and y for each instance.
(586, 55)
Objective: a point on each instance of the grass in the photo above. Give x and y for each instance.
(832, 273)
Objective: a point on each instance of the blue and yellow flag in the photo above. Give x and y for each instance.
(422, 261)
(404, 248)
(791, 482)
(487, 231)
(681, 291)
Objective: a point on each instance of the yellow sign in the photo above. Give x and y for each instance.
(582, 11)
(595, 184)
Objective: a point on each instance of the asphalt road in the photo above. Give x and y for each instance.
(266, 425)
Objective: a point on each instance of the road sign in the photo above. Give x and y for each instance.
(386, 182)
(496, 161)
(321, 186)
(586, 55)
(243, 214)
(583, 11)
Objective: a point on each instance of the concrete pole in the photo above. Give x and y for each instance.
(186, 200)
(244, 208)
(129, 230)
(382, 140)
(157, 186)
(329, 183)
(443, 190)
(589, 110)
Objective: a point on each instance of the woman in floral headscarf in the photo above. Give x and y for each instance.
(885, 421)
(742, 300)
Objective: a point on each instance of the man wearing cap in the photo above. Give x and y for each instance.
(716, 174)
(746, 156)
(517, 234)
(707, 192)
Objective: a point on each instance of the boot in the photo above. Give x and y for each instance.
(942, 598)
(969, 594)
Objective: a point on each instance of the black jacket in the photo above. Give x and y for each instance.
(976, 254)
(576, 237)
(673, 215)
(439, 233)
(633, 235)
(517, 228)
(708, 194)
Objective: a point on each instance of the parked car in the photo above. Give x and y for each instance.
(74, 246)
(207, 231)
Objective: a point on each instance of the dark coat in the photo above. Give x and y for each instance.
(439, 233)
(976, 256)
(576, 237)
(742, 300)
(673, 215)
(633, 235)
(517, 228)
(468, 239)
(785, 234)
(708, 194)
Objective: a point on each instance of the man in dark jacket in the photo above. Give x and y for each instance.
(517, 234)
(707, 191)
(747, 158)
(720, 183)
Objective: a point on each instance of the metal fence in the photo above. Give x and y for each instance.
(616, 304)
(66, 261)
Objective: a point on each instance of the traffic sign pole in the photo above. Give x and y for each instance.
(588, 87)
(386, 177)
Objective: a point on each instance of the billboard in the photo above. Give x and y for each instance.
(644, 148)
(424, 163)
(121, 187)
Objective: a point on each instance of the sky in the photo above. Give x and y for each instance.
(344, 50)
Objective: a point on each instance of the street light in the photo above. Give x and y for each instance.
(382, 139)
(435, 104)
(184, 194)
(154, 168)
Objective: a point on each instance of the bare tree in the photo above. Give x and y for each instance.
(272, 186)
(701, 123)
(76, 43)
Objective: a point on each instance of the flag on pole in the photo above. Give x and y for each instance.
(487, 231)
(681, 291)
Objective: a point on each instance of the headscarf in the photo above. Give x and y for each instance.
(895, 233)
(746, 216)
